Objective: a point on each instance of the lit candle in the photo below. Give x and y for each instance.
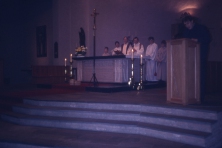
(141, 59)
(71, 58)
(132, 53)
(65, 61)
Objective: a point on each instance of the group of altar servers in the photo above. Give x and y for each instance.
(155, 59)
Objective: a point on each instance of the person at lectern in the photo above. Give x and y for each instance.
(150, 60)
(200, 34)
(138, 48)
(117, 49)
(106, 52)
(161, 62)
(126, 46)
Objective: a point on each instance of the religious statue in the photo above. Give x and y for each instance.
(81, 50)
(82, 37)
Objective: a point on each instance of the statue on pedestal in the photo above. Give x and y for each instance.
(82, 38)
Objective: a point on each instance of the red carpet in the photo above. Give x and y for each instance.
(56, 89)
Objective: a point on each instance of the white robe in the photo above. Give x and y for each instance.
(106, 54)
(150, 62)
(128, 52)
(116, 49)
(161, 63)
(139, 49)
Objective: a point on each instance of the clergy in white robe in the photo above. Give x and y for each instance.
(150, 60)
(117, 49)
(138, 48)
(126, 46)
(161, 60)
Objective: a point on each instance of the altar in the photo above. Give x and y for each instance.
(110, 69)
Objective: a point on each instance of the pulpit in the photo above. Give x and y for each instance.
(183, 71)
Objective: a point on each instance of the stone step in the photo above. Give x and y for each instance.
(111, 111)
(153, 118)
(183, 112)
(131, 127)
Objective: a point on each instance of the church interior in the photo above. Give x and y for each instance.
(49, 97)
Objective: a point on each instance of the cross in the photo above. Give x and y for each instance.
(94, 48)
(94, 14)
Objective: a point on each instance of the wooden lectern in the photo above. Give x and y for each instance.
(183, 71)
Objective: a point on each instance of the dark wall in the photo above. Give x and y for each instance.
(14, 18)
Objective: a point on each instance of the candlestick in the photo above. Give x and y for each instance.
(140, 84)
(65, 71)
(131, 80)
(70, 70)
(141, 59)
(70, 57)
(132, 53)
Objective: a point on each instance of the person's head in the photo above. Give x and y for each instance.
(125, 40)
(188, 21)
(117, 44)
(106, 50)
(163, 43)
(151, 40)
(135, 40)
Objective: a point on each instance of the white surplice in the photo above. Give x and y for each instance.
(106, 54)
(161, 63)
(126, 51)
(116, 49)
(139, 49)
(150, 62)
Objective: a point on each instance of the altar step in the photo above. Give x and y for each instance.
(124, 87)
(195, 127)
(108, 89)
(102, 87)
